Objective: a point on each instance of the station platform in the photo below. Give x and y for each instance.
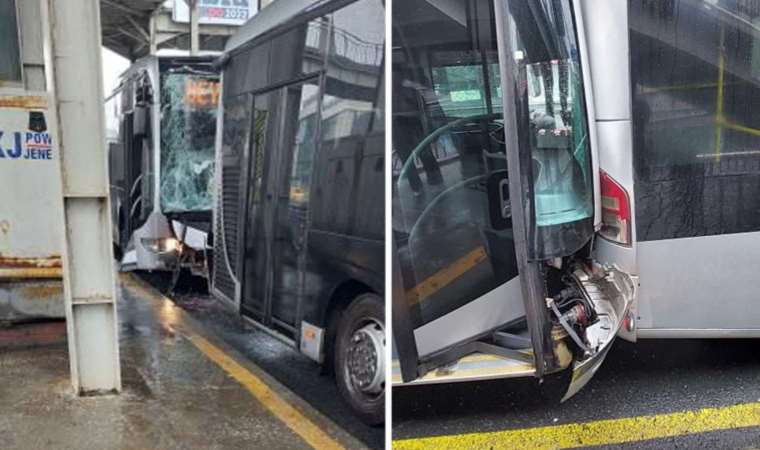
(182, 388)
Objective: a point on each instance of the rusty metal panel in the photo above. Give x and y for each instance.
(26, 299)
(15, 268)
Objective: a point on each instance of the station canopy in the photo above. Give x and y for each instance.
(135, 28)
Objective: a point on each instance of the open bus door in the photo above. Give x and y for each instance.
(494, 206)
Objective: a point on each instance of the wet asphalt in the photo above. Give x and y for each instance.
(298, 373)
(647, 378)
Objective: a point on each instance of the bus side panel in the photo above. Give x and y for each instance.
(345, 240)
(608, 63)
(694, 83)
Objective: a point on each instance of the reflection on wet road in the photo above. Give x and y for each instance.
(280, 361)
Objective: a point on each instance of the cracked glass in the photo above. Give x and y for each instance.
(188, 128)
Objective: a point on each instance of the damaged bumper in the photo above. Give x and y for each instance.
(611, 292)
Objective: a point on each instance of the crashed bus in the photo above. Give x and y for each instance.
(162, 120)
(299, 214)
(593, 169)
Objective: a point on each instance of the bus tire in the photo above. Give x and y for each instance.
(361, 332)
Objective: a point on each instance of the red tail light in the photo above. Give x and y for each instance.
(616, 211)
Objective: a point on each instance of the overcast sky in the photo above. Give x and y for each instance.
(113, 66)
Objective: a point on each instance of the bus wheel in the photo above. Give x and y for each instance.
(360, 357)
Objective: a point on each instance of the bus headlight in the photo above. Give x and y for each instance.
(161, 245)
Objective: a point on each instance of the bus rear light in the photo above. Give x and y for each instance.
(616, 211)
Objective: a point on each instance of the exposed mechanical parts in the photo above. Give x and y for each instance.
(584, 305)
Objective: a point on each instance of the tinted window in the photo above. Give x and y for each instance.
(298, 51)
(10, 58)
(247, 70)
(695, 73)
(282, 58)
(349, 196)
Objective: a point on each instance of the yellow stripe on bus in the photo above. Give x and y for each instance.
(446, 276)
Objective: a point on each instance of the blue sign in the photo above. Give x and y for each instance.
(26, 145)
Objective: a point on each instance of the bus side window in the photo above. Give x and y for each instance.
(695, 121)
(351, 128)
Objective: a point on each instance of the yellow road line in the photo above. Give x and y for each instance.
(445, 276)
(281, 409)
(602, 432)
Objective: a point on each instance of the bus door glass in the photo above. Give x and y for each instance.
(282, 150)
(454, 245)
(552, 130)
(260, 203)
(296, 161)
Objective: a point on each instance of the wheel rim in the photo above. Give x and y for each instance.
(366, 358)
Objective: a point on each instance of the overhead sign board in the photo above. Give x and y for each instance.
(216, 12)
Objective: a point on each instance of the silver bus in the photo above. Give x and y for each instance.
(162, 126)
(566, 172)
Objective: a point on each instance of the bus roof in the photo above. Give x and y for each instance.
(275, 14)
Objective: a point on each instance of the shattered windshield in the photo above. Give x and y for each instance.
(188, 128)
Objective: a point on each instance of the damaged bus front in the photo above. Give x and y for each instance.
(162, 162)
(494, 154)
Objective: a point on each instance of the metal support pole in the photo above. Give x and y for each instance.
(153, 34)
(74, 80)
(194, 17)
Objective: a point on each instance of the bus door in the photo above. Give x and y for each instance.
(456, 277)
(552, 177)
(695, 71)
(494, 197)
(277, 199)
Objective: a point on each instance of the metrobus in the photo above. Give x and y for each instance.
(593, 169)
(162, 127)
(298, 242)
